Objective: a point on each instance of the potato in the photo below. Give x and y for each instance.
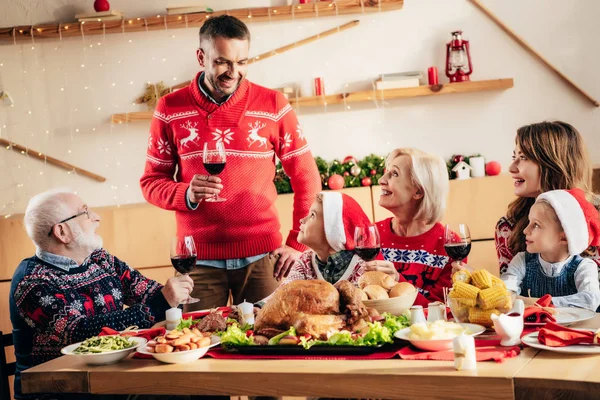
(163, 348)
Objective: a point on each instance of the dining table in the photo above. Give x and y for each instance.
(533, 374)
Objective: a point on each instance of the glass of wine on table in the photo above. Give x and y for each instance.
(366, 241)
(457, 241)
(214, 163)
(183, 258)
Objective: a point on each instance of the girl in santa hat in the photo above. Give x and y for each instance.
(328, 230)
(562, 224)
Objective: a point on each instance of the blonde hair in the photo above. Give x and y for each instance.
(429, 173)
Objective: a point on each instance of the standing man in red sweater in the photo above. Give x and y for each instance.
(238, 240)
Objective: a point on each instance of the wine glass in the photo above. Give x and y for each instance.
(457, 241)
(366, 241)
(214, 163)
(183, 258)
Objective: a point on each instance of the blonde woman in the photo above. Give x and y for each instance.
(414, 188)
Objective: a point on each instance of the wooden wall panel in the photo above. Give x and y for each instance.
(483, 256)
(5, 325)
(479, 202)
(14, 245)
(160, 274)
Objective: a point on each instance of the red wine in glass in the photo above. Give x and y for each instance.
(184, 264)
(214, 168)
(366, 241)
(214, 163)
(457, 241)
(183, 257)
(458, 251)
(367, 253)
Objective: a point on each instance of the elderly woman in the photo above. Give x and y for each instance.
(414, 188)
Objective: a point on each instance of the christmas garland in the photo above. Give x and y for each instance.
(338, 174)
(349, 172)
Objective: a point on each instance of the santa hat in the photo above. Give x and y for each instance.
(579, 218)
(341, 214)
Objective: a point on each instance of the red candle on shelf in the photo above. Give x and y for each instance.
(319, 87)
(432, 74)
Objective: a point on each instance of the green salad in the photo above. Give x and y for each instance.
(380, 332)
(102, 344)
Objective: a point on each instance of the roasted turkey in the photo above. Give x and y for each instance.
(313, 307)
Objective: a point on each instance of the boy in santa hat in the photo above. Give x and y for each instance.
(562, 225)
(328, 230)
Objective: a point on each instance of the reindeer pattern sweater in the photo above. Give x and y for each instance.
(420, 260)
(255, 125)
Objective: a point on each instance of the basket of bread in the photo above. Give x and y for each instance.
(381, 292)
(476, 295)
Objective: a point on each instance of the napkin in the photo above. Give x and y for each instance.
(555, 335)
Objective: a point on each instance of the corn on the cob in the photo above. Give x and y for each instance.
(497, 281)
(482, 279)
(461, 276)
(465, 292)
(482, 317)
(493, 297)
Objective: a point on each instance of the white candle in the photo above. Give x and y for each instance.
(246, 311)
(465, 357)
(173, 316)
(478, 166)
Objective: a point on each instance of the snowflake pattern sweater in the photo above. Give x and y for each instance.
(420, 260)
(504, 230)
(54, 308)
(255, 124)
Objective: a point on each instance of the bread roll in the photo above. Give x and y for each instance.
(363, 295)
(401, 288)
(376, 278)
(376, 292)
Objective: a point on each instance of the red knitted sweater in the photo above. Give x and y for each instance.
(255, 124)
(420, 260)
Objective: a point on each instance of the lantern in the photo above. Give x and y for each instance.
(458, 58)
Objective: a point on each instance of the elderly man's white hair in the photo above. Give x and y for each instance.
(43, 212)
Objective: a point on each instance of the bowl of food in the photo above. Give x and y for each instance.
(178, 347)
(438, 335)
(101, 350)
(381, 292)
(475, 296)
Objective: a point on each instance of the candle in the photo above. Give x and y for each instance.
(478, 166)
(246, 311)
(465, 357)
(173, 316)
(432, 75)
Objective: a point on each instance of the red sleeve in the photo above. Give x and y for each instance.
(157, 183)
(299, 164)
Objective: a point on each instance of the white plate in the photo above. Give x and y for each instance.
(531, 339)
(108, 357)
(181, 357)
(567, 316)
(437, 344)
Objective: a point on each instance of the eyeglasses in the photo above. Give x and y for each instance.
(86, 212)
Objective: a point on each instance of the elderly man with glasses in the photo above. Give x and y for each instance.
(72, 287)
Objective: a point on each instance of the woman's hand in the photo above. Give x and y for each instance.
(387, 267)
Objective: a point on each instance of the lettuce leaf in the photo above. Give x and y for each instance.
(184, 323)
(234, 336)
(276, 339)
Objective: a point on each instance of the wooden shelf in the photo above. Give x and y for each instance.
(366, 95)
(9, 35)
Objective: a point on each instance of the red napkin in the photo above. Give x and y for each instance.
(555, 335)
(200, 314)
(537, 314)
(148, 334)
(485, 350)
